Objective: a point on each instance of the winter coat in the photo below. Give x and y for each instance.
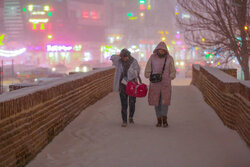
(132, 74)
(163, 88)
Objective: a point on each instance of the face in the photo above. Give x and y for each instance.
(162, 52)
(125, 59)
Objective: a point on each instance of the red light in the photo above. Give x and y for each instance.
(85, 14)
(94, 15)
(142, 7)
(52, 9)
(28, 76)
(1, 73)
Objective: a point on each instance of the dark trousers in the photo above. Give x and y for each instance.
(124, 103)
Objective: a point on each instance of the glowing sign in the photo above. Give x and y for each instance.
(85, 14)
(78, 48)
(12, 53)
(1, 40)
(36, 21)
(94, 15)
(59, 48)
(38, 13)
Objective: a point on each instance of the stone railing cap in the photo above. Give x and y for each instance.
(29, 90)
(222, 76)
(196, 66)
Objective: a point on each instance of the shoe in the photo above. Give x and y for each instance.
(165, 122)
(159, 122)
(124, 124)
(131, 121)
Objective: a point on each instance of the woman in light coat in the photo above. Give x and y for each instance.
(160, 92)
(127, 69)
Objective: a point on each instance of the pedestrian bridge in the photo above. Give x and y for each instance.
(75, 122)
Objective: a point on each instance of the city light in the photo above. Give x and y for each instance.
(133, 18)
(85, 14)
(59, 48)
(42, 27)
(163, 38)
(1, 40)
(38, 13)
(30, 8)
(46, 8)
(85, 69)
(246, 28)
(36, 21)
(142, 1)
(12, 53)
(87, 56)
(203, 39)
(142, 7)
(142, 14)
(94, 15)
(130, 14)
(78, 48)
(34, 26)
(77, 69)
(50, 36)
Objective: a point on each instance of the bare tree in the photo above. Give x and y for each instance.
(220, 24)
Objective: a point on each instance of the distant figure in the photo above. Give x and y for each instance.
(127, 69)
(160, 62)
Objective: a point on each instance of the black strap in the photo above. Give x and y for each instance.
(164, 65)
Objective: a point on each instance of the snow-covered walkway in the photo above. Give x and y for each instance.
(195, 137)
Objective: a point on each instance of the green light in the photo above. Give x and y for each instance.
(142, 1)
(129, 14)
(49, 14)
(1, 40)
(42, 27)
(133, 18)
(24, 10)
(34, 27)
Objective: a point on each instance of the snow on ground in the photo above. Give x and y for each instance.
(196, 137)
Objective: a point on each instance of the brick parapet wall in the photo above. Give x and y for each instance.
(230, 99)
(230, 71)
(31, 117)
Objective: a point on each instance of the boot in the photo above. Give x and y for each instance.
(131, 120)
(165, 122)
(124, 124)
(159, 122)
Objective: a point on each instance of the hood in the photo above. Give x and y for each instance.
(162, 46)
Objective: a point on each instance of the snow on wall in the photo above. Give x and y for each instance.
(46, 85)
(229, 97)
